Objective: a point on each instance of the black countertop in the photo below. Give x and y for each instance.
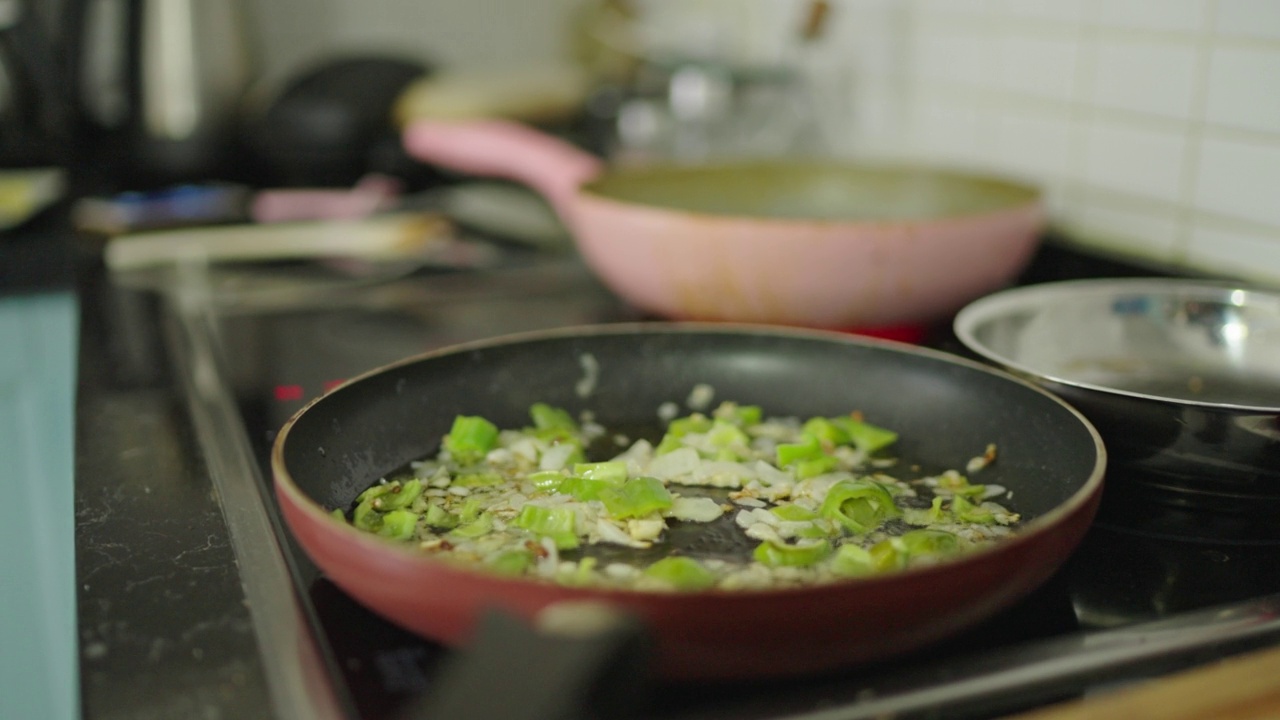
(165, 626)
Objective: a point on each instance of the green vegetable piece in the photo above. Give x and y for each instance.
(470, 510)
(584, 489)
(438, 517)
(728, 455)
(668, 443)
(482, 525)
(575, 457)
(695, 423)
(959, 485)
(547, 417)
(613, 471)
(512, 562)
(858, 505)
(470, 439)
(399, 495)
(559, 524)
(935, 510)
(365, 517)
(547, 480)
(398, 525)
(813, 468)
(582, 573)
(927, 542)
(723, 434)
(338, 515)
(471, 480)
(377, 490)
(809, 448)
(793, 513)
(852, 561)
(801, 554)
(682, 573)
(865, 436)
(741, 415)
(826, 431)
(965, 511)
(636, 498)
(888, 555)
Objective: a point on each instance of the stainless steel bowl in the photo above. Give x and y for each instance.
(1181, 378)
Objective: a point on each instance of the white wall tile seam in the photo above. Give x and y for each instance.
(1195, 138)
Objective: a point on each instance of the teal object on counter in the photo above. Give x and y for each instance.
(38, 647)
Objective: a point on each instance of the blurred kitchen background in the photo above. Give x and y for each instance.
(1154, 125)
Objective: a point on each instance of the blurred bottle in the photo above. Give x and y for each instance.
(159, 85)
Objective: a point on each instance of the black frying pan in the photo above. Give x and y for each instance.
(946, 410)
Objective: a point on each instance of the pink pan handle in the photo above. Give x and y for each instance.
(497, 148)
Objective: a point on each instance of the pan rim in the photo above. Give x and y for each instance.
(1022, 196)
(1083, 496)
(1037, 296)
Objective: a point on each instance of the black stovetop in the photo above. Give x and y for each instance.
(1149, 557)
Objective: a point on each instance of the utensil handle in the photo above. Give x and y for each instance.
(497, 148)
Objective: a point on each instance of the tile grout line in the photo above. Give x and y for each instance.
(1186, 212)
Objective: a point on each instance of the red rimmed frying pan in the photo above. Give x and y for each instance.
(945, 409)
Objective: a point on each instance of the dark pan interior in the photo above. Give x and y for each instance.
(945, 410)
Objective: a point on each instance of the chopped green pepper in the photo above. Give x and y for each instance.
(801, 554)
(852, 561)
(582, 488)
(547, 480)
(858, 505)
(438, 517)
(482, 525)
(636, 498)
(470, 439)
(889, 554)
(865, 436)
(559, 524)
(398, 524)
(813, 468)
(548, 417)
(965, 511)
(682, 573)
(512, 562)
(793, 513)
(959, 485)
(365, 517)
(613, 472)
(740, 415)
(679, 428)
(927, 542)
(809, 448)
(399, 495)
(826, 431)
(723, 434)
(484, 479)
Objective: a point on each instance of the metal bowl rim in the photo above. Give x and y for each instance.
(1000, 304)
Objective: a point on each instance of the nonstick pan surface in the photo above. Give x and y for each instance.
(945, 409)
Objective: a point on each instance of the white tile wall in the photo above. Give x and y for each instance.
(1144, 76)
(1244, 88)
(1154, 125)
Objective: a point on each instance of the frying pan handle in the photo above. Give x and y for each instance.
(513, 670)
(498, 148)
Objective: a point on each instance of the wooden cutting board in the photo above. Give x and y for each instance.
(1246, 687)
